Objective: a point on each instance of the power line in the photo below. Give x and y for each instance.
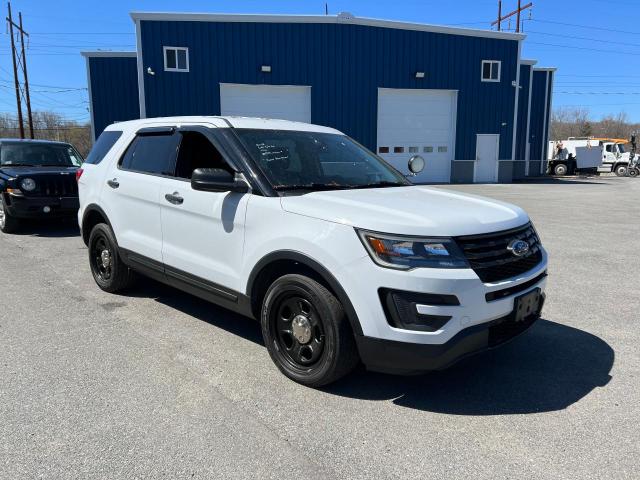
(585, 38)
(590, 27)
(596, 93)
(584, 48)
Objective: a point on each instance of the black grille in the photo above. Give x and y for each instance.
(489, 258)
(55, 186)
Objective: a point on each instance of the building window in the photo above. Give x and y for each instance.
(383, 150)
(398, 149)
(176, 59)
(491, 70)
(442, 149)
(427, 149)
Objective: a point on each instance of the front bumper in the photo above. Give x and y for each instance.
(34, 207)
(390, 356)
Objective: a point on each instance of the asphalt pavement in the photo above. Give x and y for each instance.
(159, 384)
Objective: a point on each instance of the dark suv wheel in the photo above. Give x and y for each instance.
(306, 331)
(8, 224)
(108, 270)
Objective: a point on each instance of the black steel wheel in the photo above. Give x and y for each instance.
(306, 331)
(108, 270)
(8, 223)
(298, 329)
(102, 258)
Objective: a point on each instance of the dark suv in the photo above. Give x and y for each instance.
(37, 179)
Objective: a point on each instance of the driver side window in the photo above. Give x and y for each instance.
(196, 151)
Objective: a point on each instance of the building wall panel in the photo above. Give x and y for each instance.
(343, 63)
(523, 112)
(114, 90)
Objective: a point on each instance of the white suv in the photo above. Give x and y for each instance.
(338, 256)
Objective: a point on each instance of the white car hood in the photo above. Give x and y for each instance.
(414, 210)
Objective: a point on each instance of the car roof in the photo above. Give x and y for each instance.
(31, 140)
(223, 122)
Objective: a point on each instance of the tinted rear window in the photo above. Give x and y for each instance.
(106, 140)
(152, 154)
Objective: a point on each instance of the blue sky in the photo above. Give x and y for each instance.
(594, 43)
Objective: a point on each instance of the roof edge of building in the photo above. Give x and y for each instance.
(340, 19)
(545, 69)
(525, 61)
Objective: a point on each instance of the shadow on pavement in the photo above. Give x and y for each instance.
(49, 228)
(580, 180)
(548, 368)
(201, 309)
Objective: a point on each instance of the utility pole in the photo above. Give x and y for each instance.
(15, 72)
(26, 77)
(509, 15)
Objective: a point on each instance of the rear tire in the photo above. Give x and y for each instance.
(633, 172)
(560, 170)
(306, 331)
(8, 223)
(107, 268)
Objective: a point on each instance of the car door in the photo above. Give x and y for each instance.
(132, 191)
(202, 232)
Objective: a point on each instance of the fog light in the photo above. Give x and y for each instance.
(46, 209)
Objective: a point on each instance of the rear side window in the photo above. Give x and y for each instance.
(154, 154)
(106, 140)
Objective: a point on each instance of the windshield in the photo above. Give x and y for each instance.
(621, 148)
(38, 155)
(294, 160)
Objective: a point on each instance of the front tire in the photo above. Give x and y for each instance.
(633, 172)
(560, 170)
(306, 331)
(8, 223)
(107, 268)
(620, 170)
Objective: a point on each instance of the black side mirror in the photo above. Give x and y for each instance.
(217, 180)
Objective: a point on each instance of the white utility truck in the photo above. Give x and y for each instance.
(564, 158)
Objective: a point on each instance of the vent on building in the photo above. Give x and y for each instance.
(345, 16)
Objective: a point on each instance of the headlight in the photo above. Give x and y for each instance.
(28, 184)
(405, 253)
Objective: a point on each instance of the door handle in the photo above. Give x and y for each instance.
(174, 198)
(113, 183)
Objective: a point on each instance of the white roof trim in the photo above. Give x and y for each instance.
(104, 53)
(545, 69)
(528, 62)
(222, 17)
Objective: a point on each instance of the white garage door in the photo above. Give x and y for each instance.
(418, 122)
(286, 102)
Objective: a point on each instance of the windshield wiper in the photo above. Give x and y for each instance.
(381, 184)
(16, 165)
(312, 186)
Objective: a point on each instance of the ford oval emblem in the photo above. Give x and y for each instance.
(518, 247)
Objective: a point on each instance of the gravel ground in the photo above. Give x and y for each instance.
(158, 384)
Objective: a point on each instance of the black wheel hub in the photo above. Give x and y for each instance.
(297, 330)
(102, 258)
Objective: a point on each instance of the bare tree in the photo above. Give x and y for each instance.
(50, 126)
(576, 122)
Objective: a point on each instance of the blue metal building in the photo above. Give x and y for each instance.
(460, 98)
(112, 79)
